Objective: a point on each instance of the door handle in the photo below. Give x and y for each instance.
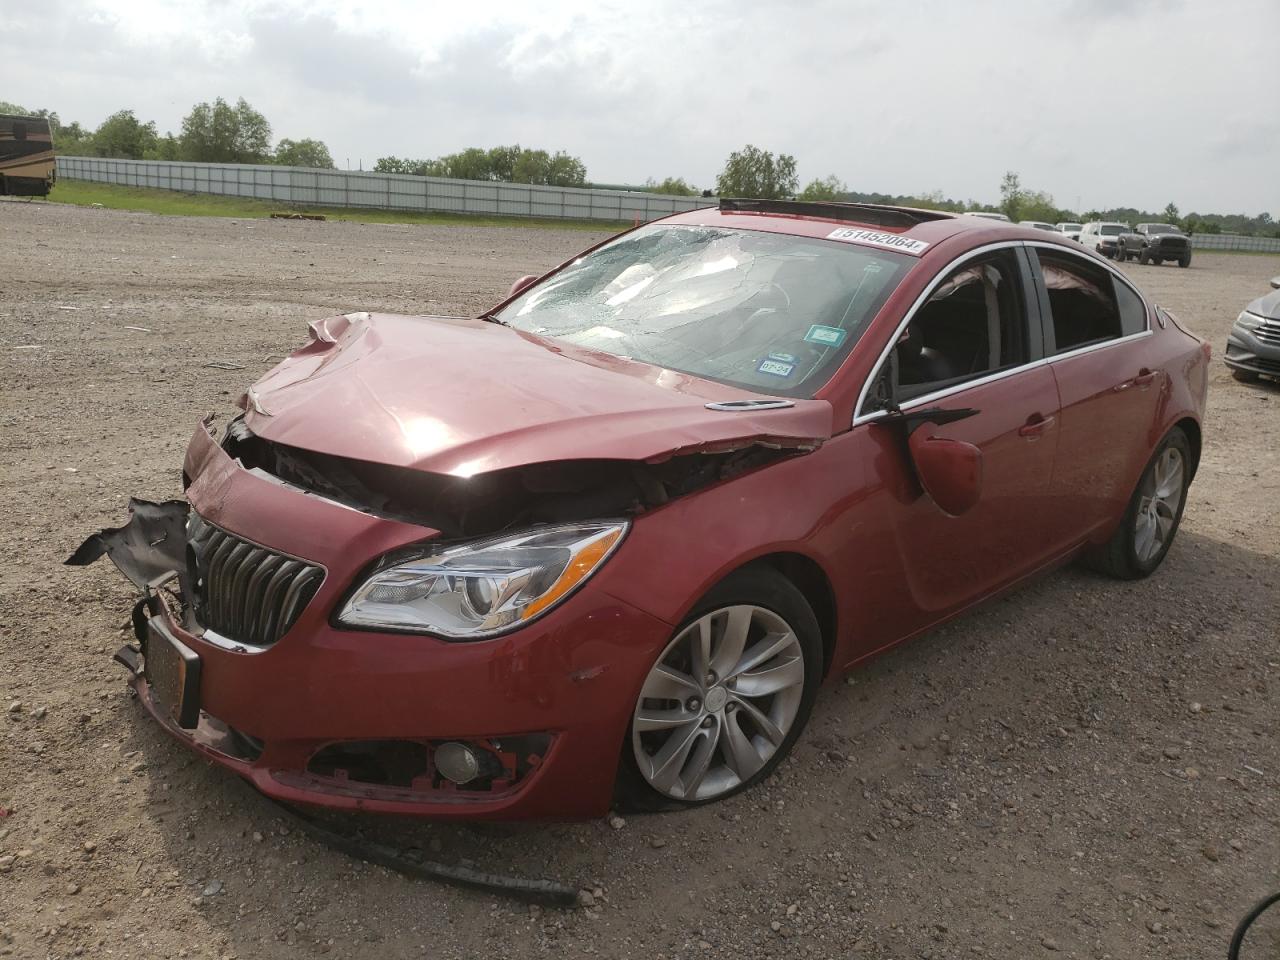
(1144, 377)
(1034, 428)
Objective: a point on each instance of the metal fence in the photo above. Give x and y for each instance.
(301, 186)
(1235, 241)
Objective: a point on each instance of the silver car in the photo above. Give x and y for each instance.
(1253, 346)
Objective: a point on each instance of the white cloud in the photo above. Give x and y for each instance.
(1096, 102)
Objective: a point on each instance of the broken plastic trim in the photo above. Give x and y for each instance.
(547, 892)
(563, 491)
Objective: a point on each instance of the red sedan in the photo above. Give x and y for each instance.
(605, 542)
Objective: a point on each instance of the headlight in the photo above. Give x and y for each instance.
(477, 590)
(1248, 321)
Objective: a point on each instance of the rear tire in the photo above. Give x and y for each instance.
(1153, 516)
(1157, 261)
(742, 716)
(1245, 376)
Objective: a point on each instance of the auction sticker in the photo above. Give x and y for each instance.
(876, 238)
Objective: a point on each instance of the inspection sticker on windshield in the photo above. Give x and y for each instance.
(825, 336)
(874, 238)
(776, 368)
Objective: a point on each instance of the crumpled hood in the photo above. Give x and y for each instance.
(462, 397)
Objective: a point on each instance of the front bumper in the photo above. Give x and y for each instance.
(572, 676)
(1156, 250)
(1247, 352)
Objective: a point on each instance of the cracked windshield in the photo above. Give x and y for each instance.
(768, 312)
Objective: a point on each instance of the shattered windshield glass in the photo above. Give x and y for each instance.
(770, 312)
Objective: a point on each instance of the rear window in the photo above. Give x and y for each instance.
(1082, 300)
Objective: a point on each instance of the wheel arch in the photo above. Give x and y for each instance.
(808, 576)
(1191, 427)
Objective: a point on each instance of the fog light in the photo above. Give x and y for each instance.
(457, 762)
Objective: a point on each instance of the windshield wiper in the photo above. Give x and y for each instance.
(493, 318)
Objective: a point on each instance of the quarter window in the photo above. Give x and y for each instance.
(1133, 312)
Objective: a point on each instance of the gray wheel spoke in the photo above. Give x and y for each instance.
(770, 679)
(663, 719)
(740, 753)
(764, 651)
(772, 732)
(1170, 485)
(668, 683)
(733, 640)
(700, 649)
(700, 762)
(1145, 537)
(668, 763)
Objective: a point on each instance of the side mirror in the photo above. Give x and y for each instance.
(521, 284)
(949, 470)
(1275, 283)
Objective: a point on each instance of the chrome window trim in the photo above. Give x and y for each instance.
(911, 312)
(999, 374)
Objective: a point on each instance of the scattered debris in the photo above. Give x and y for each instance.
(212, 888)
(139, 329)
(297, 216)
(225, 365)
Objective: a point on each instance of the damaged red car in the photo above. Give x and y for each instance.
(604, 543)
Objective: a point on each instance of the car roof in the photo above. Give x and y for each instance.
(819, 220)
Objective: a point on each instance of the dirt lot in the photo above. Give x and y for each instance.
(1085, 768)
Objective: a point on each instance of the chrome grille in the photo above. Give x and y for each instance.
(1268, 331)
(245, 592)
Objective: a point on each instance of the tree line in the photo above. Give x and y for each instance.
(513, 164)
(752, 172)
(220, 132)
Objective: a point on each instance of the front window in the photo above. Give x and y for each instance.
(769, 312)
(1069, 227)
(1113, 229)
(1153, 228)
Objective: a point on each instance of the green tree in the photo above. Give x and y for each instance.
(469, 164)
(220, 133)
(303, 153)
(675, 186)
(1011, 196)
(563, 170)
(1171, 214)
(752, 172)
(829, 188)
(502, 162)
(167, 147)
(124, 136)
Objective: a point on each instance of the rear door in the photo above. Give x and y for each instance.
(1094, 324)
(974, 343)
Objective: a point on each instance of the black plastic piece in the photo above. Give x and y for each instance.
(546, 892)
(879, 214)
(909, 420)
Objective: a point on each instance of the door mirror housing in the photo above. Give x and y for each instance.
(521, 284)
(949, 470)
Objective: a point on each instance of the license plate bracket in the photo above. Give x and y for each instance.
(172, 671)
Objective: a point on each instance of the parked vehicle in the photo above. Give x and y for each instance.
(1070, 230)
(26, 156)
(1155, 243)
(607, 540)
(1037, 225)
(1253, 346)
(987, 214)
(1103, 236)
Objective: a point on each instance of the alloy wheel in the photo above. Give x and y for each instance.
(1158, 504)
(719, 703)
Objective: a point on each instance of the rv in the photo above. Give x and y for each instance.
(26, 156)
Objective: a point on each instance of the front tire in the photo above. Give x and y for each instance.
(1245, 376)
(1184, 261)
(726, 698)
(1143, 257)
(1153, 516)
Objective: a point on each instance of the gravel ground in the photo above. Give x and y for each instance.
(1084, 768)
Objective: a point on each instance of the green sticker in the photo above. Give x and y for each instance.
(826, 336)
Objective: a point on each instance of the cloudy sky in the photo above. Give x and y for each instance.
(1098, 102)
